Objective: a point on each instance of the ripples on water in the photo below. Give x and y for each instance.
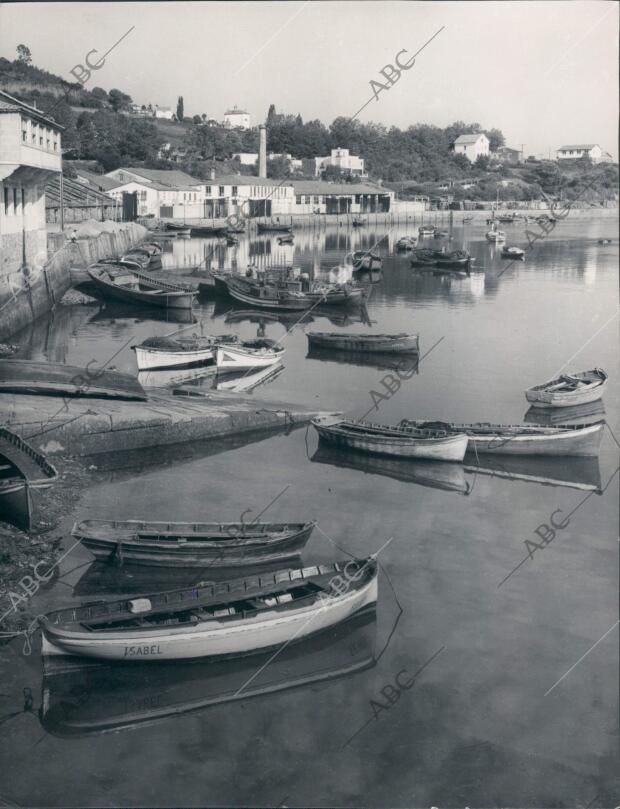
(476, 727)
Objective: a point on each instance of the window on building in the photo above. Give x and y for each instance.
(6, 200)
(34, 136)
(221, 190)
(55, 145)
(48, 143)
(24, 135)
(40, 141)
(15, 198)
(315, 200)
(235, 190)
(298, 199)
(208, 190)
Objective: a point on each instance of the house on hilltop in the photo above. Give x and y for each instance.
(576, 152)
(472, 146)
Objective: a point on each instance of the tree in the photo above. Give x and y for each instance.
(180, 108)
(118, 100)
(99, 93)
(24, 56)
(482, 162)
(271, 115)
(278, 168)
(197, 119)
(496, 138)
(204, 117)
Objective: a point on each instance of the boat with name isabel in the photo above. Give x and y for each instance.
(133, 287)
(178, 352)
(523, 439)
(401, 343)
(247, 354)
(235, 617)
(185, 544)
(567, 390)
(401, 441)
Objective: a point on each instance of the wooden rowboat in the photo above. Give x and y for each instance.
(523, 439)
(132, 287)
(426, 230)
(509, 251)
(231, 618)
(376, 343)
(406, 243)
(273, 227)
(53, 378)
(380, 439)
(246, 354)
(178, 352)
(183, 544)
(262, 295)
(22, 469)
(569, 389)
(496, 236)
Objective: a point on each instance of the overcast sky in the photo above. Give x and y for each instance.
(545, 73)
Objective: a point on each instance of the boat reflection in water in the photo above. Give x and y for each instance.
(168, 377)
(399, 362)
(574, 473)
(120, 311)
(95, 698)
(585, 414)
(435, 474)
(196, 381)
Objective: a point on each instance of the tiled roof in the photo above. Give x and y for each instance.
(469, 138)
(246, 179)
(170, 178)
(73, 193)
(321, 187)
(100, 181)
(235, 112)
(9, 103)
(578, 146)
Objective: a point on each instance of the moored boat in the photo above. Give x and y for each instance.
(406, 243)
(457, 260)
(366, 260)
(495, 235)
(358, 223)
(247, 354)
(381, 439)
(183, 544)
(177, 352)
(402, 343)
(426, 230)
(133, 287)
(180, 230)
(22, 470)
(523, 439)
(287, 238)
(510, 251)
(274, 227)
(262, 293)
(231, 618)
(569, 389)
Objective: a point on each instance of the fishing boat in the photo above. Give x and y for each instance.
(183, 544)
(180, 230)
(406, 243)
(207, 230)
(178, 352)
(133, 287)
(22, 470)
(82, 697)
(358, 223)
(288, 238)
(366, 260)
(273, 227)
(568, 390)
(55, 378)
(425, 257)
(495, 235)
(381, 439)
(262, 293)
(333, 294)
(426, 230)
(246, 354)
(148, 256)
(231, 618)
(509, 251)
(402, 343)
(523, 439)
(508, 219)
(456, 260)
(440, 234)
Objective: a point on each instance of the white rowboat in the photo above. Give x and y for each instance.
(248, 354)
(569, 389)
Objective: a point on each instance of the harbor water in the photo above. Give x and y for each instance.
(476, 684)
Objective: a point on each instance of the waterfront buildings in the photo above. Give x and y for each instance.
(316, 196)
(591, 150)
(472, 146)
(340, 159)
(237, 119)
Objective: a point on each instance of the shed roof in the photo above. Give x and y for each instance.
(469, 138)
(171, 178)
(577, 146)
(339, 189)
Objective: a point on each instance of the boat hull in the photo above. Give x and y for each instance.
(237, 549)
(450, 448)
(235, 358)
(269, 629)
(171, 300)
(581, 442)
(149, 359)
(540, 398)
(399, 344)
(284, 302)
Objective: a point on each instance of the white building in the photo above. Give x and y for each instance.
(248, 196)
(575, 152)
(237, 119)
(341, 159)
(312, 196)
(164, 112)
(30, 156)
(246, 158)
(472, 146)
(158, 189)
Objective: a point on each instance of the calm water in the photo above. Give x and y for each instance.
(476, 728)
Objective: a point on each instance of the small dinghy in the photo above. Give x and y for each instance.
(273, 227)
(569, 389)
(133, 287)
(513, 252)
(406, 243)
(358, 223)
(247, 354)
(182, 544)
(456, 260)
(427, 230)
(381, 439)
(376, 343)
(178, 352)
(521, 439)
(495, 235)
(232, 618)
(180, 230)
(366, 260)
(288, 238)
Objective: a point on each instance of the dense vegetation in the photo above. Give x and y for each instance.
(418, 159)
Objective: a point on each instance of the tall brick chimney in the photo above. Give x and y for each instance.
(262, 151)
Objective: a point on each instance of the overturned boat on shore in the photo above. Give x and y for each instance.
(22, 470)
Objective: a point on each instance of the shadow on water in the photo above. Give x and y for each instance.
(388, 362)
(578, 473)
(98, 697)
